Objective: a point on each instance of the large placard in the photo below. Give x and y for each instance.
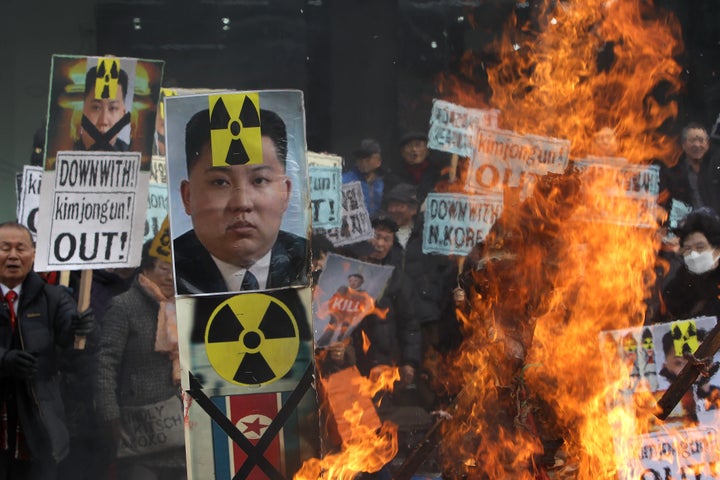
(93, 211)
(502, 158)
(355, 224)
(238, 190)
(29, 198)
(452, 127)
(326, 196)
(455, 223)
(100, 127)
(630, 192)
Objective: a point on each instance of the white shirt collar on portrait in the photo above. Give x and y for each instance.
(233, 275)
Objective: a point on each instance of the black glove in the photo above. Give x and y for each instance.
(20, 363)
(83, 323)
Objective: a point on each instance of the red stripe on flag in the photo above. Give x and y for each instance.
(252, 414)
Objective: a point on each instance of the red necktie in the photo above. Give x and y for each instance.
(10, 297)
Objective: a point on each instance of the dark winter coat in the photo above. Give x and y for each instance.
(674, 182)
(45, 315)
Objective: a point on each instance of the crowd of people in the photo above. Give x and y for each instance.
(60, 408)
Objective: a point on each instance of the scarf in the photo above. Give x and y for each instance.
(166, 337)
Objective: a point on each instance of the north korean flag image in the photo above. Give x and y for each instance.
(252, 415)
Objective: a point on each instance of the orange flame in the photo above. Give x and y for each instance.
(365, 342)
(365, 444)
(570, 261)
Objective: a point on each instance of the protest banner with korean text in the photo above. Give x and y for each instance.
(356, 225)
(29, 198)
(157, 208)
(326, 196)
(630, 192)
(452, 127)
(454, 223)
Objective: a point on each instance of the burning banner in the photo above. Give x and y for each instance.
(641, 363)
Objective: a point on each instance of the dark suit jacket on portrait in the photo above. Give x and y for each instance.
(196, 272)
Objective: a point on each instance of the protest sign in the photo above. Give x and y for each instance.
(82, 114)
(454, 223)
(273, 365)
(101, 119)
(247, 363)
(29, 198)
(326, 196)
(502, 158)
(324, 160)
(452, 127)
(339, 309)
(160, 247)
(642, 362)
(678, 211)
(355, 224)
(157, 206)
(629, 192)
(248, 212)
(93, 211)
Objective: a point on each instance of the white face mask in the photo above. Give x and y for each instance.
(699, 263)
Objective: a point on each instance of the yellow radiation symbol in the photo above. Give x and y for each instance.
(160, 246)
(106, 80)
(685, 337)
(164, 93)
(252, 339)
(235, 129)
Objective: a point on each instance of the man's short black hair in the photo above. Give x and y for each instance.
(91, 77)
(320, 244)
(704, 220)
(197, 134)
(383, 220)
(362, 279)
(691, 126)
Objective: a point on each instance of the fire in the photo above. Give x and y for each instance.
(362, 442)
(571, 260)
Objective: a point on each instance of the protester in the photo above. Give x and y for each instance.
(37, 322)
(369, 172)
(695, 178)
(103, 118)
(89, 455)
(394, 339)
(135, 368)
(695, 289)
(418, 167)
(433, 276)
(236, 211)
(320, 246)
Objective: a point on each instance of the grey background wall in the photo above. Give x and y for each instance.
(369, 68)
